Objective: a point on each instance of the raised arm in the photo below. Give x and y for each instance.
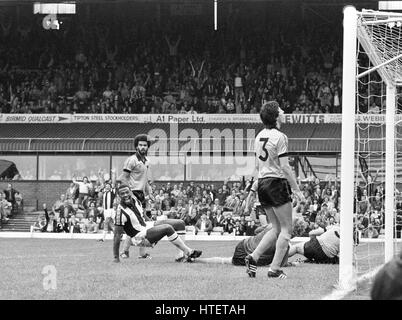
(114, 177)
(125, 177)
(46, 213)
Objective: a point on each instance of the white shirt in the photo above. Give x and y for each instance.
(329, 241)
(138, 172)
(270, 144)
(254, 188)
(238, 82)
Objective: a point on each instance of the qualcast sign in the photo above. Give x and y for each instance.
(35, 118)
(183, 118)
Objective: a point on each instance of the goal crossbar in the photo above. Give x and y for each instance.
(379, 66)
(375, 22)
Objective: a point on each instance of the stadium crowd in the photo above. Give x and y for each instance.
(11, 203)
(146, 67)
(204, 207)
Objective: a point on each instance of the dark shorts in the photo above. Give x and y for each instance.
(313, 251)
(140, 196)
(178, 225)
(156, 233)
(162, 228)
(240, 254)
(274, 192)
(108, 224)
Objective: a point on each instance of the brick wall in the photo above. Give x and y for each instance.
(35, 193)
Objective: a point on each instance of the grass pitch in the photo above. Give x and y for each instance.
(85, 271)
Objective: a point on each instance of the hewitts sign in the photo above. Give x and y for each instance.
(305, 118)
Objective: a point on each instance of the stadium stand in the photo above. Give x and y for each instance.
(78, 73)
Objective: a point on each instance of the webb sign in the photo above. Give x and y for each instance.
(182, 118)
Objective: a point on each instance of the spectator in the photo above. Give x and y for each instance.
(62, 226)
(398, 224)
(251, 227)
(58, 206)
(51, 221)
(228, 224)
(40, 224)
(10, 193)
(239, 229)
(218, 219)
(84, 188)
(92, 210)
(370, 232)
(91, 226)
(73, 225)
(216, 206)
(203, 224)
(5, 207)
(192, 217)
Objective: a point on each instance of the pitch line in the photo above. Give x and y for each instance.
(339, 293)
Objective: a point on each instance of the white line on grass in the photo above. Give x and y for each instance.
(47, 256)
(340, 293)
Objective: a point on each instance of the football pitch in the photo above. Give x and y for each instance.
(84, 270)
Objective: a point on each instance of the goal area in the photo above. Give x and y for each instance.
(371, 144)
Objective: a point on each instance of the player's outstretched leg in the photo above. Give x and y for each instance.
(126, 248)
(142, 253)
(118, 231)
(158, 232)
(180, 227)
(269, 238)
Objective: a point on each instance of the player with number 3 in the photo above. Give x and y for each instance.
(275, 181)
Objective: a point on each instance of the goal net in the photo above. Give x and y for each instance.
(371, 142)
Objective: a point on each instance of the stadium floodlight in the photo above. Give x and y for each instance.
(54, 8)
(215, 15)
(51, 10)
(50, 22)
(372, 74)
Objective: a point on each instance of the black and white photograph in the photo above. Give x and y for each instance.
(200, 155)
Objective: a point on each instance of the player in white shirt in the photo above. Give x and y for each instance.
(275, 181)
(323, 246)
(108, 204)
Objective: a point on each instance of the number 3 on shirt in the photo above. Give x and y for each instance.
(264, 148)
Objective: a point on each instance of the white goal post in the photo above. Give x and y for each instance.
(372, 31)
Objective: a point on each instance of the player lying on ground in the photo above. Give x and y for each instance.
(323, 246)
(130, 219)
(245, 247)
(178, 226)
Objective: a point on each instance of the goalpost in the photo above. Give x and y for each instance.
(372, 73)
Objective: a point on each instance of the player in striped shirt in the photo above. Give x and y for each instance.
(135, 175)
(275, 181)
(108, 205)
(130, 219)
